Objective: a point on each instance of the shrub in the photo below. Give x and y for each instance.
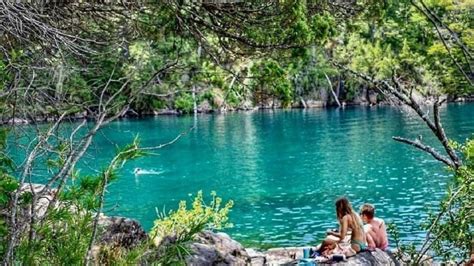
(172, 232)
(184, 103)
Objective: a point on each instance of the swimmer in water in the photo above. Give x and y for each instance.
(139, 171)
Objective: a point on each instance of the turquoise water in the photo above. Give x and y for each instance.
(284, 169)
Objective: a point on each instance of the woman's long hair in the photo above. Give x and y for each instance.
(343, 207)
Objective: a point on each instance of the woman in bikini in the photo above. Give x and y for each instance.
(349, 220)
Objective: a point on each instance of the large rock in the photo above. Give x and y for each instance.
(289, 256)
(373, 97)
(204, 107)
(217, 249)
(361, 97)
(121, 232)
(17, 121)
(44, 197)
(256, 257)
(315, 104)
(165, 111)
(247, 105)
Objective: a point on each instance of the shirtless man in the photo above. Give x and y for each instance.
(349, 220)
(374, 228)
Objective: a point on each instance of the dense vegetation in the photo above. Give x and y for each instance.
(105, 61)
(231, 62)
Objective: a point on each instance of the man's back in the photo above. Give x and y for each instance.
(378, 232)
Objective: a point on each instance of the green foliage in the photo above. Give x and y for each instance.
(453, 224)
(271, 80)
(184, 103)
(202, 216)
(323, 26)
(406, 253)
(62, 239)
(384, 39)
(182, 225)
(8, 185)
(400, 40)
(87, 190)
(450, 229)
(63, 235)
(113, 255)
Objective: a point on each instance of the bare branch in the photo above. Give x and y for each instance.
(407, 98)
(105, 180)
(417, 144)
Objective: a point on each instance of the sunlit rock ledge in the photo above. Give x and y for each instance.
(290, 255)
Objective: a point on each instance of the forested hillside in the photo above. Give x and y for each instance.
(221, 57)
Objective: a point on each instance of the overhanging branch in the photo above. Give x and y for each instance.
(417, 144)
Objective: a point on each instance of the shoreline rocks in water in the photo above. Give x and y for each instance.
(206, 108)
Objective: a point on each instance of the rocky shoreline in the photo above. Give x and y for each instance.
(217, 248)
(208, 248)
(206, 108)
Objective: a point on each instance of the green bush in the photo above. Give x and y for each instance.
(62, 239)
(172, 232)
(184, 103)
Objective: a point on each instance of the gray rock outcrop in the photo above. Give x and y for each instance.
(217, 249)
(289, 256)
(122, 232)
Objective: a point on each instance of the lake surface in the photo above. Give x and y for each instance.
(284, 169)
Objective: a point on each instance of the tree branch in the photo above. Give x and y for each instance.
(417, 144)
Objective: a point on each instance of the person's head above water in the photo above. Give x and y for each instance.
(343, 207)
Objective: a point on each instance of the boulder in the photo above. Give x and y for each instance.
(373, 97)
(283, 256)
(116, 231)
(204, 107)
(315, 104)
(42, 199)
(247, 105)
(216, 249)
(16, 121)
(256, 257)
(165, 112)
(360, 97)
(121, 232)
